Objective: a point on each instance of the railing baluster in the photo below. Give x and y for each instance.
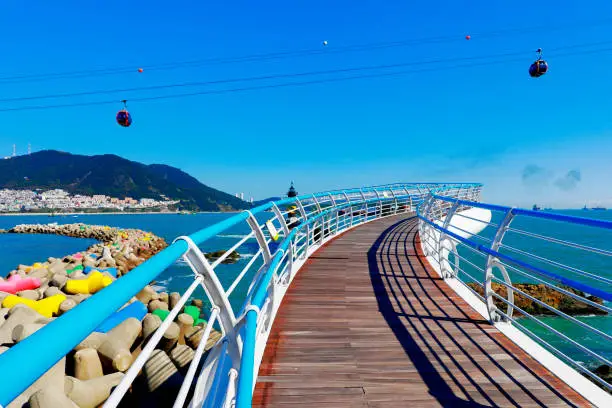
(260, 237)
(281, 219)
(493, 262)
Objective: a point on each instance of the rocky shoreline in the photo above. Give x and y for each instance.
(34, 295)
(543, 293)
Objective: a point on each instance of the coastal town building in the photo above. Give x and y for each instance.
(61, 200)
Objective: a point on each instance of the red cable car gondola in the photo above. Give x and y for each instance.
(539, 67)
(123, 116)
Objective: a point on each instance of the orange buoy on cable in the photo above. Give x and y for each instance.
(140, 69)
(467, 37)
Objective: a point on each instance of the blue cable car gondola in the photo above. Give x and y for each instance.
(123, 116)
(539, 67)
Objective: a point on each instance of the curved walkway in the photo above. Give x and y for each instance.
(367, 323)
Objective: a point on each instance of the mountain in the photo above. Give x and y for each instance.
(114, 176)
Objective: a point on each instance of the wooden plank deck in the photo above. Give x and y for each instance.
(367, 323)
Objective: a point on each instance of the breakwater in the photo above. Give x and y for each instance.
(33, 295)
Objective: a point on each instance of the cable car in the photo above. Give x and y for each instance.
(539, 67)
(123, 116)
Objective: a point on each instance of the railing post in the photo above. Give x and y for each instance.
(363, 197)
(314, 198)
(211, 284)
(409, 198)
(493, 262)
(259, 236)
(442, 237)
(379, 203)
(281, 219)
(394, 201)
(350, 207)
(304, 219)
(331, 198)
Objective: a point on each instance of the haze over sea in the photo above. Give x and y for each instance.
(26, 249)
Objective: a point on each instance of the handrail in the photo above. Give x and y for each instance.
(561, 279)
(444, 238)
(243, 334)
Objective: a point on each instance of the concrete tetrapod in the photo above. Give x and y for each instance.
(93, 392)
(115, 349)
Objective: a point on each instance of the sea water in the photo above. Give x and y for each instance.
(17, 248)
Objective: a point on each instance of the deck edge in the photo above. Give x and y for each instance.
(588, 390)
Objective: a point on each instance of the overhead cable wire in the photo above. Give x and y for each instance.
(293, 75)
(297, 53)
(286, 84)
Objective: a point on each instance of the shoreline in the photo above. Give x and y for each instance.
(115, 213)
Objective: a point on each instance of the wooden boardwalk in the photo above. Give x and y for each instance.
(367, 323)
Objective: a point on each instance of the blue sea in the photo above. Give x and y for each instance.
(18, 249)
(26, 249)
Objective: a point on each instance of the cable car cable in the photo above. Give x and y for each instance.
(287, 54)
(281, 85)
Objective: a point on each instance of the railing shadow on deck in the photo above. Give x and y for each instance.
(393, 260)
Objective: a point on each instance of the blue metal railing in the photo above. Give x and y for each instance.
(329, 213)
(469, 249)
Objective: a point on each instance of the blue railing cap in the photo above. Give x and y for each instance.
(59, 337)
(591, 222)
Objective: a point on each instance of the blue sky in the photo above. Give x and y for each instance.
(521, 137)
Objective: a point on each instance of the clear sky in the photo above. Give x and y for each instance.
(545, 140)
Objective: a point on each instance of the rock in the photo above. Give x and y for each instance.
(52, 290)
(106, 254)
(29, 294)
(66, 305)
(58, 280)
(89, 262)
(51, 398)
(193, 336)
(215, 336)
(197, 303)
(181, 355)
(94, 341)
(150, 323)
(547, 295)
(170, 337)
(163, 296)
(79, 297)
(87, 364)
(18, 315)
(604, 372)
(57, 268)
(3, 313)
(40, 273)
(174, 299)
(184, 321)
(91, 393)
(146, 294)
(158, 369)
(52, 379)
(21, 331)
(115, 350)
(157, 304)
(231, 258)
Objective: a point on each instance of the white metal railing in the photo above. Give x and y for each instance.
(475, 246)
(286, 232)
